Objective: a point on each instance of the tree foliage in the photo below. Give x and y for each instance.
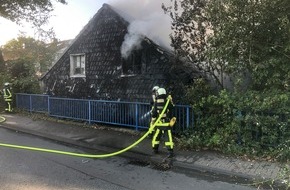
(191, 28)
(1, 61)
(253, 36)
(21, 74)
(22, 64)
(39, 53)
(34, 11)
(2, 69)
(254, 123)
(248, 41)
(25, 59)
(235, 38)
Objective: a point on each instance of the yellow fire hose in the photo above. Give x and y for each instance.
(2, 119)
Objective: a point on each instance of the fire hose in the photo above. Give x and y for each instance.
(2, 119)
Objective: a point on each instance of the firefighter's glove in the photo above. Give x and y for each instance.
(172, 121)
(170, 98)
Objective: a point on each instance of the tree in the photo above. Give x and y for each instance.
(1, 61)
(235, 38)
(2, 69)
(190, 30)
(244, 40)
(25, 60)
(21, 73)
(40, 54)
(34, 11)
(253, 37)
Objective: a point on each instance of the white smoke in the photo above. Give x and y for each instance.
(147, 18)
(132, 41)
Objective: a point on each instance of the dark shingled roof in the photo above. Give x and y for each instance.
(108, 75)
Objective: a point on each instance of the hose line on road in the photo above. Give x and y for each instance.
(2, 119)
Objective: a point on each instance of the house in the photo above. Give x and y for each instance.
(61, 47)
(92, 67)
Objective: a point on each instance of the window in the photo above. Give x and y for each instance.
(132, 64)
(77, 65)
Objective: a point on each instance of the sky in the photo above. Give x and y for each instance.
(68, 20)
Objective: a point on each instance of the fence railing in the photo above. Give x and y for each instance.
(129, 114)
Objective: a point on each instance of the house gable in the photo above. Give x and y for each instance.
(106, 74)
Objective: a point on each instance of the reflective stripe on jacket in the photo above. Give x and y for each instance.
(158, 107)
(7, 94)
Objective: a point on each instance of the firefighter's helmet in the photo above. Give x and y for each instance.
(6, 84)
(155, 88)
(161, 91)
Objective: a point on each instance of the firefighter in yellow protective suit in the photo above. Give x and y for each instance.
(164, 127)
(154, 95)
(7, 94)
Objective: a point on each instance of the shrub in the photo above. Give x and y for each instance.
(253, 122)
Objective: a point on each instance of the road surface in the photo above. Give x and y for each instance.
(31, 170)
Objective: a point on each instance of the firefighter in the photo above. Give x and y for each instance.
(164, 126)
(154, 95)
(7, 94)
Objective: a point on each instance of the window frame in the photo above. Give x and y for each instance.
(78, 64)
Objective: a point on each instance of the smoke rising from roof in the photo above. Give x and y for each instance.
(146, 18)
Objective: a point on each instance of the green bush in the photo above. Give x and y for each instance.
(254, 122)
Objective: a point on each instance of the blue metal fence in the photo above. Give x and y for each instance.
(129, 114)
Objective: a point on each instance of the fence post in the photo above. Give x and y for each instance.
(239, 116)
(30, 103)
(136, 116)
(90, 112)
(187, 117)
(48, 105)
(17, 101)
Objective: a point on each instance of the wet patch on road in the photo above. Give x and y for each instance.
(141, 163)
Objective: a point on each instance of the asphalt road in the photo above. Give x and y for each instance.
(31, 170)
